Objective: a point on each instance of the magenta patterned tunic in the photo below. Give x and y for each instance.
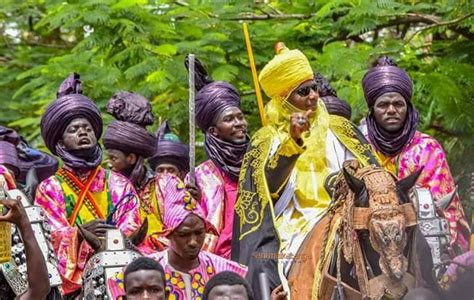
(219, 194)
(73, 252)
(424, 151)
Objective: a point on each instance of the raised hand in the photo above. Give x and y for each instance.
(299, 123)
(194, 191)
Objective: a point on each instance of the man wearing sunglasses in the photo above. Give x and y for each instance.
(286, 173)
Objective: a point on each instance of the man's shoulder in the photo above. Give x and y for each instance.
(205, 255)
(421, 139)
(158, 256)
(51, 181)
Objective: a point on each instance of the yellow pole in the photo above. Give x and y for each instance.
(258, 93)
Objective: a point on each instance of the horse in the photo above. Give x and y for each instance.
(368, 244)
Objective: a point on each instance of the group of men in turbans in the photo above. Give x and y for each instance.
(255, 195)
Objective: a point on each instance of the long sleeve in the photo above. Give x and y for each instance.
(280, 165)
(71, 253)
(125, 198)
(436, 177)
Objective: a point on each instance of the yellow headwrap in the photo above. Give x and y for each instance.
(285, 72)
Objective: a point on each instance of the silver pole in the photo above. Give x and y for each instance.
(192, 134)
(264, 286)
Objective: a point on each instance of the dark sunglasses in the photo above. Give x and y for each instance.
(305, 90)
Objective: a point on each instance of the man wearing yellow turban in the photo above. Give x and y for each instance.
(284, 187)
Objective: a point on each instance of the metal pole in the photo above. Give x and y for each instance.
(192, 134)
(264, 286)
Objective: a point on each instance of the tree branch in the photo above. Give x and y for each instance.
(254, 17)
(449, 24)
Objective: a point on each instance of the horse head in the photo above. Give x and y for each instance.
(383, 203)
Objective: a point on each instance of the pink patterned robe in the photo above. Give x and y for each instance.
(424, 151)
(73, 252)
(219, 194)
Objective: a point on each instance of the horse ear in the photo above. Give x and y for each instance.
(407, 183)
(358, 187)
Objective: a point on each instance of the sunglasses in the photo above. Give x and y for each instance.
(305, 90)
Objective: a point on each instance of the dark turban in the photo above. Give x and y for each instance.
(129, 133)
(8, 154)
(169, 149)
(129, 138)
(130, 107)
(23, 157)
(212, 97)
(334, 105)
(386, 77)
(67, 108)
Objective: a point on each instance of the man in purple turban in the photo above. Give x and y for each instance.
(126, 139)
(171, 156)
(129, 144)
(391, 129)
(220, 118)
(81, 200)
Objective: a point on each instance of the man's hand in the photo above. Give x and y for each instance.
(16, 212)
(299, 123)
(194, 191)
(97, 227)
(140, 234)
(279, 293)
(93, 240)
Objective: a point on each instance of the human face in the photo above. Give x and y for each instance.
(228, 292)
(390, 111)
(231, 126)
(79, 135)
(145, 284)
(165, 168)
(305, 96)
(119, 161)
(186, 241)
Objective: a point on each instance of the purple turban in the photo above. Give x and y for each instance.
(212, 98)
(67, 108)
(130, 107)
(170, 150)
(386, 77)
(129, 138)
(15, 151)
(8, 154)
(128, 134)
(334, 105)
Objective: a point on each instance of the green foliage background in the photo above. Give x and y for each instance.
(140, 46)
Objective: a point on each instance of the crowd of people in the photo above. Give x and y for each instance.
(244, 212)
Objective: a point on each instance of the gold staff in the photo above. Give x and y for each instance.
(258, 93)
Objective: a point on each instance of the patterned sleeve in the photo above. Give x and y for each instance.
(436, 176)
(72, 254)
(125, 200)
